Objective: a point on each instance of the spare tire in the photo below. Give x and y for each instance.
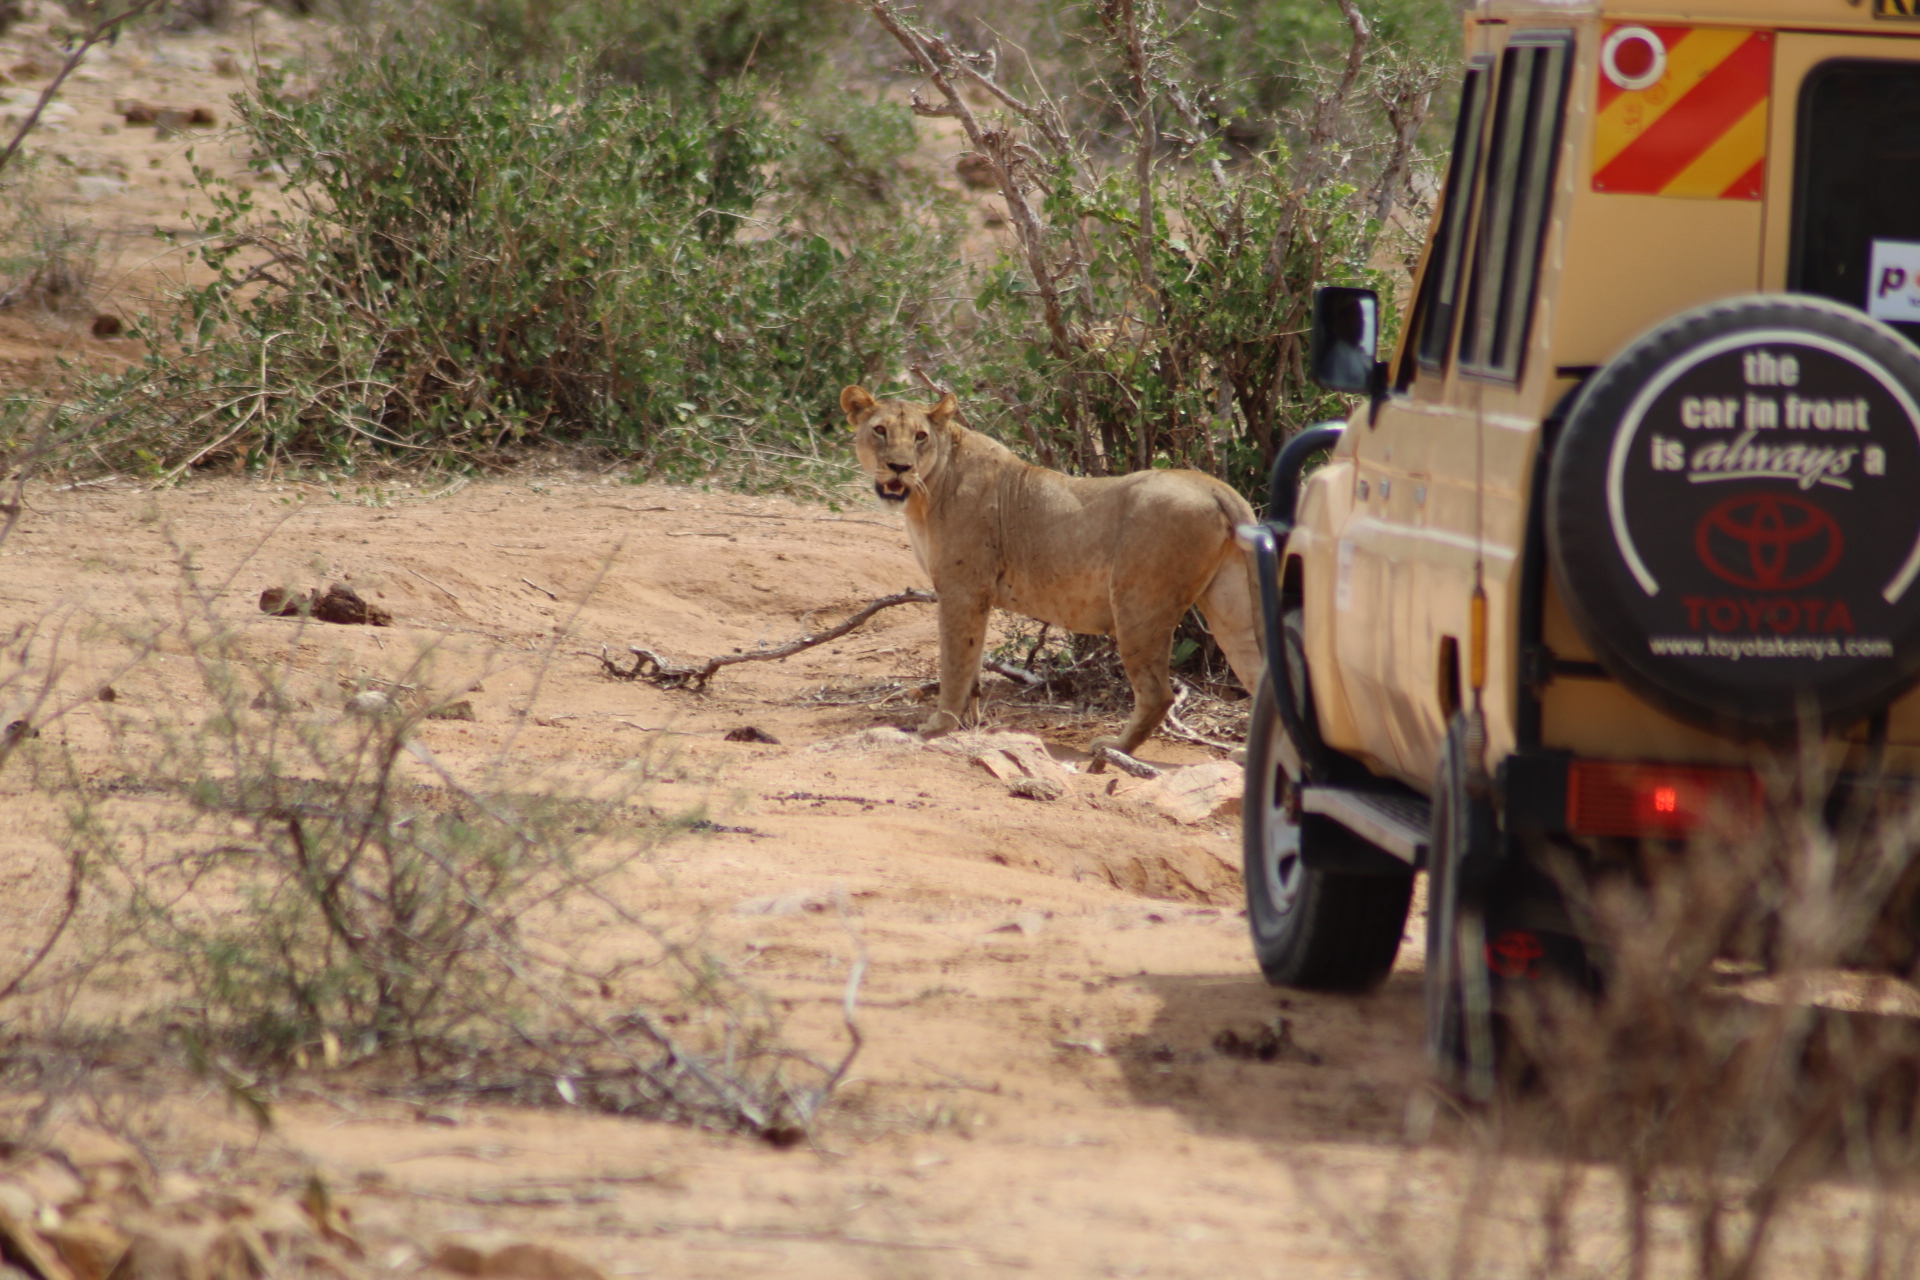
(1733, 514)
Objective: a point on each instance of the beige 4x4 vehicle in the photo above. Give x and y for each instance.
(1635, 500)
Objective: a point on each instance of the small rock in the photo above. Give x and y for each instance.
(18, 1202)
(512, 1262)
(29, 70)
(23, 1244)
(748, 733)
(461, 710)
(282, 602)
(106, 325)
(89, 1245)
(1027, 924)
(1007, 756)
(49, 1181)
(93, 187)
(135, 111)
(225, 65)
(15, 731)
(341, 604)
(1035, 788)
(1271, 1043)
(370, 703)
(201, 115)
(211, 1252)
(1197, 792)
(880, 739)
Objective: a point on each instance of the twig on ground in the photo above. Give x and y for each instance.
(1018, 674)
(430, 582)
(1175, 728)
(542, 590)
(1123, 762)
(667, 675)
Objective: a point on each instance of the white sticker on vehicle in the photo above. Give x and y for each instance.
(1343, 576)
(1893, 281)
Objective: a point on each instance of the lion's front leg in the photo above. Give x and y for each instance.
(963, 635)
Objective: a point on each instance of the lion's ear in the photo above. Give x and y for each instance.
(947, 407)
(855, 400)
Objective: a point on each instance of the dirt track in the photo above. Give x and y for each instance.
(1041, 1087)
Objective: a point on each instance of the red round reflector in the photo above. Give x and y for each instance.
(1633, 58)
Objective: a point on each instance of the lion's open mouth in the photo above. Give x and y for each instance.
(891, 490)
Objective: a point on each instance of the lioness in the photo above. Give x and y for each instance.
(1123, 556)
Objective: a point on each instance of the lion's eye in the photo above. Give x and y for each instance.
(921, 436)
(881, 432)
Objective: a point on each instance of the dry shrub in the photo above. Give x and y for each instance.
(1742, 1097)
(293, 878)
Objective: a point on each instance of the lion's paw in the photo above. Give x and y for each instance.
(939, 724)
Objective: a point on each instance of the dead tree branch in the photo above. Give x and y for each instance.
(668, 675)
(942, 65)
(1123, 762)
(1329, 110)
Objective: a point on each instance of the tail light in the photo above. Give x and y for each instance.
(1605, 798)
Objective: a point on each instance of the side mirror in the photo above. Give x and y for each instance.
(1346, 332)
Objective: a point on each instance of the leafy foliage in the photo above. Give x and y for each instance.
(1151, 298)
(690, 47)
(484, 261)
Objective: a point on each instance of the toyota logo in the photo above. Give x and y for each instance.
(1768, 542)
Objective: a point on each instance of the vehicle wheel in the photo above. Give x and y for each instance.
(1316, 929)
(1729, 514)
(1459, 998)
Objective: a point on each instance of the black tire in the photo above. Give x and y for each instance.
(1320, 930)
(1460, 1032)
(1730, 514)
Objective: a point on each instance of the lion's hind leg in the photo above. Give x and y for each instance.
(1143, 632)
(1233, 616)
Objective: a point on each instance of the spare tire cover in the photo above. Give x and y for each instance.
(1733, 514)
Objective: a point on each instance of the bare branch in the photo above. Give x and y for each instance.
(103, 28)
(668, 675)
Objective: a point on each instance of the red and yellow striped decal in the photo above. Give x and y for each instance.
(1700, 130)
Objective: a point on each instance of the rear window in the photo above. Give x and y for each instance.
(1856, 207)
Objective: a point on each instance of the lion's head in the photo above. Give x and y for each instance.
(901, 444)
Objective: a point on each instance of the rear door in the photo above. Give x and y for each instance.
(1843, 203)
(1852, 198)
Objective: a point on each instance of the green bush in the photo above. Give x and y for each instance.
(689, 46)
(482, 261)
(1151, 303)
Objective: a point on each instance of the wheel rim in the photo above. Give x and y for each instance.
(1280, 860)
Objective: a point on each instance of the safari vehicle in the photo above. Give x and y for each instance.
(1634, 504)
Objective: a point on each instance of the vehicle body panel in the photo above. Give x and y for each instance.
(1431, 488)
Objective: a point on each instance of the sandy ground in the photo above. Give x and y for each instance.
(1039, 1090)
(1046, 981)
